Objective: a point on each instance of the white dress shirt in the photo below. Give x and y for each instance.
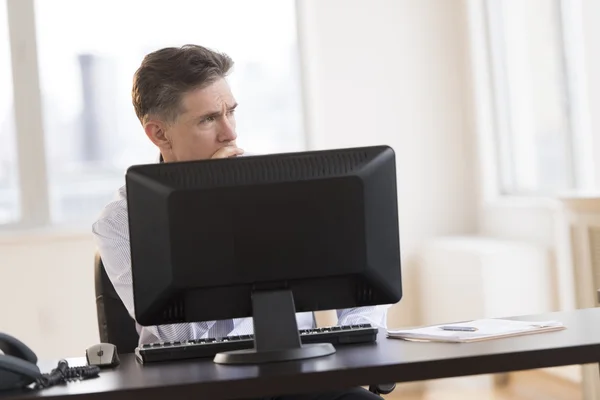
(111, 233)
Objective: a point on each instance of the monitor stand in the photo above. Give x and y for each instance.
(276, 336)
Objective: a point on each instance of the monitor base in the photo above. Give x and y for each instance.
(252, 356)
(276, 336)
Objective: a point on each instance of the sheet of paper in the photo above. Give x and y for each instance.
(485, 329)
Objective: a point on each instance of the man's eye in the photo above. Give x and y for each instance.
(231, 112)
(207, 120)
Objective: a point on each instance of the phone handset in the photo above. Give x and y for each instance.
(17, 365)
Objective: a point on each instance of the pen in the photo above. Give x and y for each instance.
(458, 328)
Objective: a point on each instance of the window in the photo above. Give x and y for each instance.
(91, 132)
(534, 110)
(9, 199)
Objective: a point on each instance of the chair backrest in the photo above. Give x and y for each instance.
(114, 322)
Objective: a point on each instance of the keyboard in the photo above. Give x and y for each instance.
(205, 348)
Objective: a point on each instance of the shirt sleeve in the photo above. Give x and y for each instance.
(375, 315)
(111, 235)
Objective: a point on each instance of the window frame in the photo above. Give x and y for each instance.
(576, 76)
(30, 145)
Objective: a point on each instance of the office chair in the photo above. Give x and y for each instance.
(117, 327)
(114, 323)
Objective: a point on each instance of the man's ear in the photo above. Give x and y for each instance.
(156, 132)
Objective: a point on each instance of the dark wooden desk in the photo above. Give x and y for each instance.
(390, 360)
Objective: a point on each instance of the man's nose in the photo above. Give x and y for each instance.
(227, 131)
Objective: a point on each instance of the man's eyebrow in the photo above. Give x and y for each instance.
(208, 115)
(215, 113)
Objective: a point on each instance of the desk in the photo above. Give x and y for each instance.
(389, 360)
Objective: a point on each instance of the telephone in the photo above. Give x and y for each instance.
(18, 367)
(18, 364)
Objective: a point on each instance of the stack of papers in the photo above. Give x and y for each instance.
(476, 330)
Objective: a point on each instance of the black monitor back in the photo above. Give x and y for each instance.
(207, 234)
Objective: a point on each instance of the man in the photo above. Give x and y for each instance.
(183, 101)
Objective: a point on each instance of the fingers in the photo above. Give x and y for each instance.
(228, 151)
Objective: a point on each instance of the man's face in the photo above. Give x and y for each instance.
(205, 125)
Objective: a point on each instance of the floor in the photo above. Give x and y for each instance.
(527, 385)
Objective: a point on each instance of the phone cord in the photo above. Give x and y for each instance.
(63, 373)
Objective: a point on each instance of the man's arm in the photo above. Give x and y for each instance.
(375, 315)
(111, 234)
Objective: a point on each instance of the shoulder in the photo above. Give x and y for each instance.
(113, 217)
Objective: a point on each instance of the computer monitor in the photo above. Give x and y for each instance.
(264, 237)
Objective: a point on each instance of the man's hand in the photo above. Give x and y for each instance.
(228, 151)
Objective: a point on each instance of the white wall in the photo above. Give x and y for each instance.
(395, 72)
(377, 72)
(47, 297)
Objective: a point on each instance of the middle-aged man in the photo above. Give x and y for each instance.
(184, 102)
